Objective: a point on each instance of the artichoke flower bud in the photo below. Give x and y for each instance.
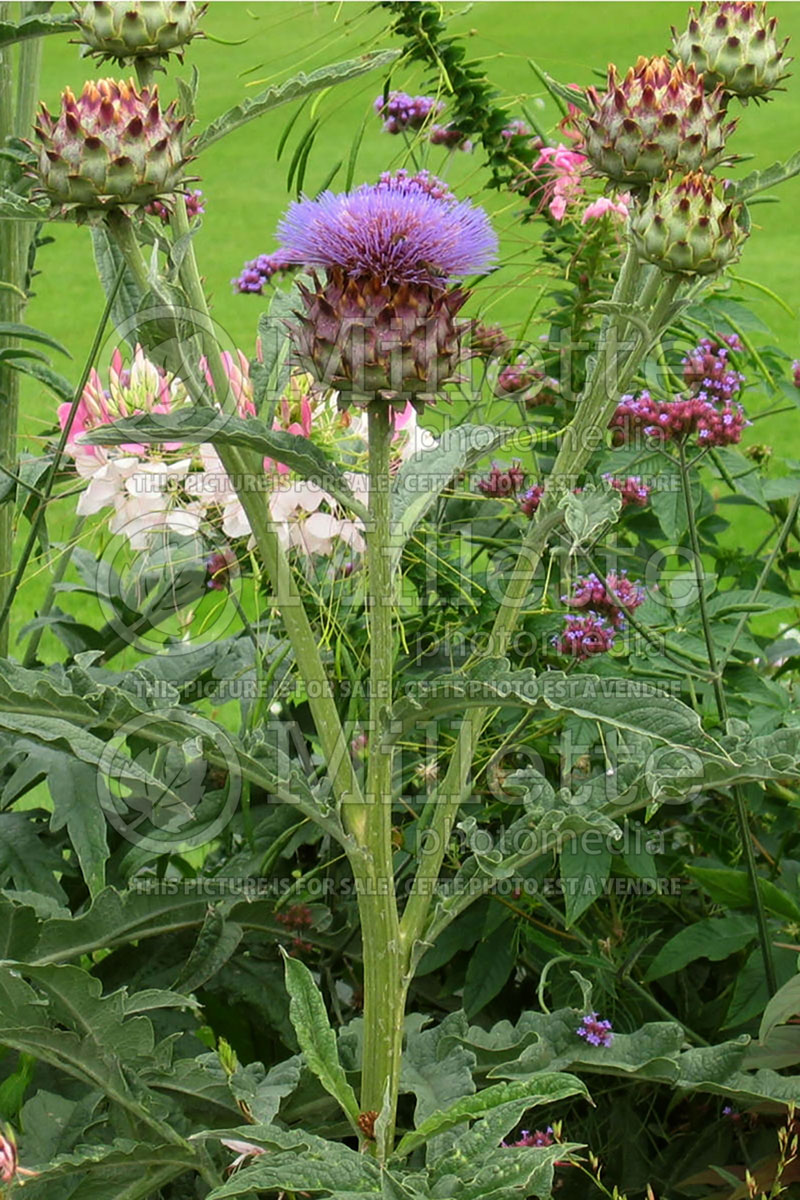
(687, 227)
(124, 30)
(655, 120)
(111, 146)
(734, 45)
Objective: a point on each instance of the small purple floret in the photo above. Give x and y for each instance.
(595, 1031)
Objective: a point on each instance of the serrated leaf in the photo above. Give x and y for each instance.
(292, 89)
(546, 1089)
(33, 27)
(760, 181)
(315, 1035)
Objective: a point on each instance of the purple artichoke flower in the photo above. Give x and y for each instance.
(383, 320)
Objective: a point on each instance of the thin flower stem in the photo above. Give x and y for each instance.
(742, 815)
(50, 478)
(64, 559)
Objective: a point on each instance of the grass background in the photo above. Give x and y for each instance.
(245, 185)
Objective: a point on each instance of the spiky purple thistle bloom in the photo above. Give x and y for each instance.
(596, 1032)
(382, 323)
(422, 181)
(388, 234)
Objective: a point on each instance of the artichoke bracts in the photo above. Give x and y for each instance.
(382, 325)
(366, 338)
(687, 227)
(113, 145)
(735, 47)
(123, 30)
(656, 120)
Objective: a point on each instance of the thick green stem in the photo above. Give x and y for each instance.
(17, 104)
(742, 815)
(384, 989)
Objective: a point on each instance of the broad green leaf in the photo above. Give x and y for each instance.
(262, 1091)
(584, 870)
(216, 942)
(714, 938)
(108, 259)
(732, 888)
(783, 1005)
(210, 425)
(759, 181)
(14, 207)
(315, 1035)
(587, 512)
(72, 786)
(425, 474)
(293, 89)
(26, 858)
(33, 27)
(58, 384)
(546, 1089)
(296, 1162)
(508, 1174)
(719, 1070)
(490, 966)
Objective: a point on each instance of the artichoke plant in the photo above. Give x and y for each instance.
(687, 227)
(735, 47)
(113, 145)
(123, 30)
(655, 120)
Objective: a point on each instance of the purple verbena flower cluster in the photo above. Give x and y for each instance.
(515, 128)
(532, 499)
(388, 234)
(678, 419)
(631, 489)
(401, 111)
(486, 341)
(708, 372)
(195, 207)
(612, 599)
(518, 378)
(596, 1032)
(502, 482)
(258, 272)
(537, 1137)
(796, 372)
(449, 136)
(421, 182)
(584, 636)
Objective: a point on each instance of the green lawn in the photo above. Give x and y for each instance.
(245, 185)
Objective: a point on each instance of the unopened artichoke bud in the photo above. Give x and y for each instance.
(734, 45)
(687, 227)
(111, 146)
(124, 30)
(655, 120)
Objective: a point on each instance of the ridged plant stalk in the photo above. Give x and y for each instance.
(19, 90)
